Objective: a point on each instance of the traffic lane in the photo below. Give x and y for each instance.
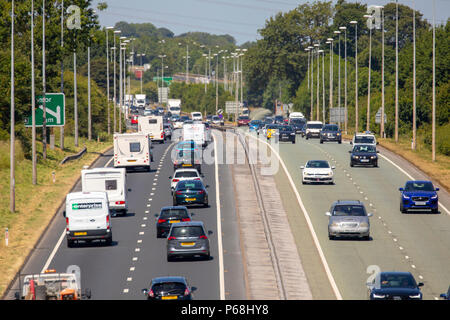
(40, 254)
(98, 263)
(423, 236)
(151, 259)
(347, 259)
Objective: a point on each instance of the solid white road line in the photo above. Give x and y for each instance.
(308, 220)
(219, 225)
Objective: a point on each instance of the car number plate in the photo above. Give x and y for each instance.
(396, 298)
(364, 160)
(174, 221)
(191, 199)
(188, 244)
(420, 203)
(169, 297)
(186, 165)
(131, 160)
(80, 233)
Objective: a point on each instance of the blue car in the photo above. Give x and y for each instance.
(419, 195)
(255, 125)
(394, 285)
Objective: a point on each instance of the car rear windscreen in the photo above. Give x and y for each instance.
(152, 121)
(169, 287)
(187, 231)
(174, 213)
(364, 140)
(186, 174)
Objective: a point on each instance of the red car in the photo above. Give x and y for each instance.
(243, 121)
(134, 119)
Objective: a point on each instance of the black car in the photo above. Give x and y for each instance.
(286, 133)
(169, 288)
(394, 285)
(331, 132)
(184, 118)
(364, 155)
(278, 119)
(169, 215)
(297, 124)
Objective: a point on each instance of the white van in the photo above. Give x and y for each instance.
(196, 132)
(196, 116)
(174, 106)
(153, 126)
(109, 180)
(296, 115)
(313, 129)
(132, 150)
(87, 217)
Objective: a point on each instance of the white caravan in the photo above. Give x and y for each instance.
(196, 132)
(174, 106)
(87, 217)
(109, 180)
(153, 126)
(132, 150)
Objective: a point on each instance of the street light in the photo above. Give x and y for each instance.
(107, 77)
(323, 84)
(345, 81)
(339, 76)
(370, 26)
(115, 85)
(316, 45)
(356, 69)
(330, 41)
(312, 82)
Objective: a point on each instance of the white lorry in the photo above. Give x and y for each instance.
(153, 126)
(195, 132)
(87, 217)
(139, 101)
(132, 150)
(174, 106)
(109, 180)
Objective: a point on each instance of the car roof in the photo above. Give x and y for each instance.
(189, 224)
(186, 169)
(173, 207)
(169, 279)
(348, 202)
(395, 273)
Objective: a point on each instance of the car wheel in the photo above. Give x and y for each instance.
(108, 241)
(293, 141)
(351, 164)
(169, 258)
(435, 210)
(330, 237)
(321, 141)
(70, 243)
(340, 141)
(402, 209)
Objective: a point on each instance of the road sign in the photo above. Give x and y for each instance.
(163, 93)
(230, 107)
(55, 111)
(378, 117)
(337, 115)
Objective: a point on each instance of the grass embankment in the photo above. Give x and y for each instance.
(438, 170)
(35, 204)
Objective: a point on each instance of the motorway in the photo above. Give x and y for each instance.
(415, 242)
(120, 271)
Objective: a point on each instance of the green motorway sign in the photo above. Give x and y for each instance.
(55, 110)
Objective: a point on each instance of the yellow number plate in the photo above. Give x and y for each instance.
(80, 233)
(174, 221)
(191, 199)
(169, 297)
(187, 165)
(131, 160)
(187, 243)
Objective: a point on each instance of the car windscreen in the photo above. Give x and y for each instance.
(135, 146)
(397, 281)
(296, 121)
(187, 231)
(349, 210)
(174, 213)
(314, 126)
(190, 185)
(365, 148)
(255, 122)
(215, 118)
(419, 186)
(317, 164)
(364, 139)
(286, 128)
(169, 287)
(186, 174)
(330, 128)
(243, 118)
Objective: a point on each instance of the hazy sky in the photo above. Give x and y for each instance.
(238, 18)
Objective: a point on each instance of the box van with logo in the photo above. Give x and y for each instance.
(132, 150)
(87, 217)
(109, 180)
(153, 126)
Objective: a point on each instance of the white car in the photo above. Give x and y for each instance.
(365, 138)
(184, 174)
(196, 116)
(317, 171)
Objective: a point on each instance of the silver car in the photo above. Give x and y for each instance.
(188, 239)
(348, 219)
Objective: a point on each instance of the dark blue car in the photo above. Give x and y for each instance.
(394, 285)
(419, 195)
(255, 125)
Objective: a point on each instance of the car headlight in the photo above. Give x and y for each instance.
(378, 296)
(373, 157)
(434, 197)
(417, 296)
(405, 196)
(334, 224)
(356, 157)
(364, 225)
(338, 134)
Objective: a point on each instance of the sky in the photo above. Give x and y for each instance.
(238, 18)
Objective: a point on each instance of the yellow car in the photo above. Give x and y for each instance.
(271, 130)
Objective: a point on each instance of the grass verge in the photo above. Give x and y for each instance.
(35, 204)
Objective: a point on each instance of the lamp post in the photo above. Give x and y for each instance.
(382, 74)
(339, 76)
(107, 78)
(120, 82)
(370, 26)
(44, 85)
(316, 45)
(433, 126)
(356, 71)
(345, 77)
(114, 82)
(12, 183)
(330, 42)
(414, 78)
(323, 84)
(312, 81)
